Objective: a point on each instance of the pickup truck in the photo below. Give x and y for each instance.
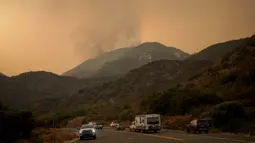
(199, 126)
(120, 127)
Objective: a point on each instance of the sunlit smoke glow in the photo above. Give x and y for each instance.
(109, 26)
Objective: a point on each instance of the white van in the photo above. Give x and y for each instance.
(144, 123)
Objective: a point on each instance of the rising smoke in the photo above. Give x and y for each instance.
(110, 25)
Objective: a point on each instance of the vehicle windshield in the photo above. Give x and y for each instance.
(153, 120)
(202, 121)
(87, 126)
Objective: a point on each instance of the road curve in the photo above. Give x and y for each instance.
(112, 136)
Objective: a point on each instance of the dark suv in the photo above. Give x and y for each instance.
(200, 125)
(120, 127)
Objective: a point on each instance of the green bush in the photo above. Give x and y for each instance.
(64, 123)
(15, 125)
(127, 114)
(252, 41)
(227, 116)
(230, 78)
(178, 102)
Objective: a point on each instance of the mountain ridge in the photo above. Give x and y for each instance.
(153, 77)
(132, 55)
(3, 75)
(40, 90)
(234, 73)
(217, 51)
(157, 77)
(47, 91)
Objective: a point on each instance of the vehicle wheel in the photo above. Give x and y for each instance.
(188, 130)
(155, 131)
(94, 137)
(206, 132)
(81, 138)
(199, 132)
(194, 131)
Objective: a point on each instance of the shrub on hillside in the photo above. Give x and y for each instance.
(85, 120)
(229, 78)
(75, 122)
(64, 123)
(47, 121)
(178, 102)
(227, 116)
(252, 41)
(126, 114)
(15, 125)
(179, 124)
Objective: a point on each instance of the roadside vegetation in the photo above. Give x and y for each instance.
(25, 127)
(15, 125)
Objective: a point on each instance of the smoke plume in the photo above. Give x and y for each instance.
(56, 35)
(111, 25)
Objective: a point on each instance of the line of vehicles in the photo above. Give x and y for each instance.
(146, 123)
(143, 123)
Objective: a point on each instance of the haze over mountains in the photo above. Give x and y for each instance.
(155, 77)
(40, 91)
(120, 61)
(64, 63)
(117, 77)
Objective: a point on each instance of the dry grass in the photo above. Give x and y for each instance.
(58, 136)
(176, 122)
(172, 119)
(76, 122)
(51, 136)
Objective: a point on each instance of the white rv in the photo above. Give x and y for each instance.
(148, 122)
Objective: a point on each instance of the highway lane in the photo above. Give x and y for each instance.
(112, 136)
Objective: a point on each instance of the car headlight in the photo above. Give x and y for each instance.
(93, 130)
(80, 131)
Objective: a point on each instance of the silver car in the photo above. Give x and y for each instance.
(87, 131)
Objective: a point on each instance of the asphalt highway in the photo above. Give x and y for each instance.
(112, 136)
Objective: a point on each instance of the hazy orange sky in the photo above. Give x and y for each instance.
(56, 35)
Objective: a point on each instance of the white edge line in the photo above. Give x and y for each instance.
(72, 141)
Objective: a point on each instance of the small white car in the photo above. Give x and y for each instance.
(113, 125)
